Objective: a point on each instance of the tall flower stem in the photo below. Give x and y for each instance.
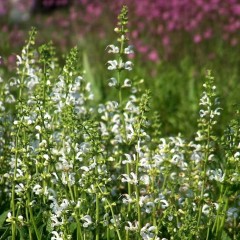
(112, 212)
(32, 217)
(204, 176)
(97, 217)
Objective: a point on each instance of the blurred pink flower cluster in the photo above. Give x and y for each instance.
(159, 25)
(156, 25)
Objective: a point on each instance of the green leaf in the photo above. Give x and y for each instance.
(3, 217)
(73, 226)
(225, 236)
(23, 232)
(40, 230)
(49, 227)
(5, 234)
(90, 78)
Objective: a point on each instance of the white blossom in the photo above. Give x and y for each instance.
(132, 227)
(113, 64)
(148, 232)
(87, 221)
(132, 179)
(112, 49)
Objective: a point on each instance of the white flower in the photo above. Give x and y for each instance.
(128, 50)
(38, 128)
(148, 232)
(20, 218)
(142, 200)
(46, 156)
(71, 179)
(112, 64)
(57, 236)
(59, 209)
(205, 209)
(127, 199)
(111, 106)
(235, 177)
(204, 99)
(129, 158)
(149, 207)
(112, 49)
(103, 129)
(145, 179)
(131, 107)
(128, 65)
(19, 173)
(19, 188)
(132, 179)
(87, 220)
(37, 189)
(127, 83)
(164, 203)
(19, 60)
(159, 158)
(176, 158)
(232, 214)
(216, 175)
(129, 131)
(55, 222)
(217, 111)
(9, 217)
(112, 82)
(216, 205)
(43, 144)
(132, 227)
(237, 154)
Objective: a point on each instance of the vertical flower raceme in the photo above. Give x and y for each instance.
(209, 111)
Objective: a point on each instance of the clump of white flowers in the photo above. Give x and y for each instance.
(74, 169)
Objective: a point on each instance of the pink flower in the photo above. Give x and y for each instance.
(143, 49)
(135, 34)
(236, 9)
(153, 56)
(197, 38)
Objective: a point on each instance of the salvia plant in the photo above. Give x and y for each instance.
(74, 169)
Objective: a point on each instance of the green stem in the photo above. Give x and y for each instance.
(44, 84)
(127, 235)
(129, 186)
(97, 217)
(222, 218)
(138, 197)
(32, 218)
(29, 229)
(71, 192)
(204, 175)
(79, 231)
(113, 215)
(208, 231)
